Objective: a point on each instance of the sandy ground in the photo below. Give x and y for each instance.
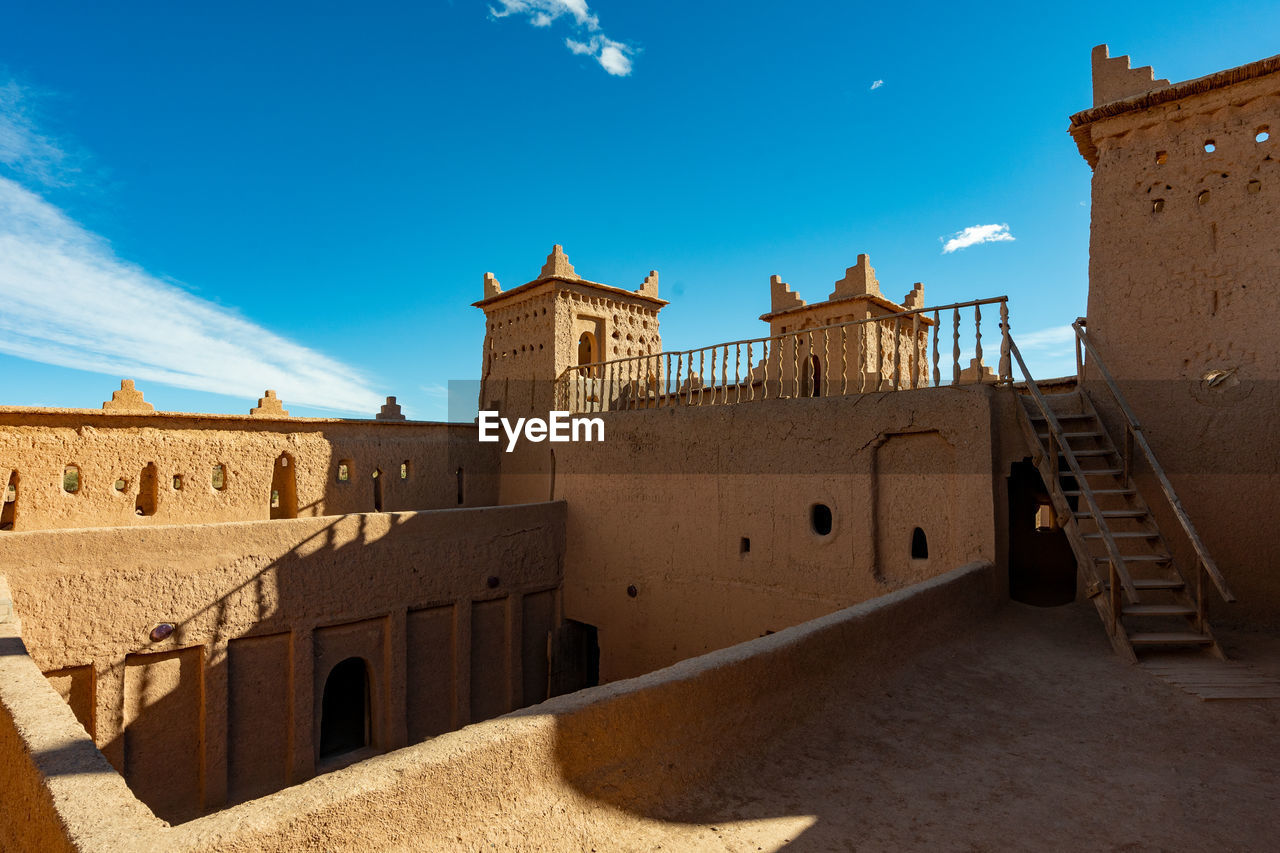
(1026, 734)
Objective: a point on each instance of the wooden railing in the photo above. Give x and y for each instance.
(886, 353)
(1119, 572)
(1135, 439)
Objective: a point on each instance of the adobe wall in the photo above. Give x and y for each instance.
(553, 772)
(450, 611)
(1183, 272)
(658, 513)
(446, 466)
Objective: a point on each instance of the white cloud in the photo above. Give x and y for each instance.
(877, 85)
(975, 234)
(1055, 338)
(68, 300)
(22, 148)
(613, 56)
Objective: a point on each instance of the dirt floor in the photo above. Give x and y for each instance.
(1026, 734)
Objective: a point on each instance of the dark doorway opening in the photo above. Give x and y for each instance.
(148, 491)
(919, 545)
(1042, 566)
(575, 657)
(284, 488)
(9, 514)
(344, 710)
(820, 519)
(377, 490)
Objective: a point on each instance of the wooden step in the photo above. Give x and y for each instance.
(1157, 610)
(1090, 472)
(1078, 492)
(1070, 435)
(1036, 416)
(1170, 638)
(1139, 558)
(1116, 513)
(1127, 534)
(1150, 584)
(1102, 451)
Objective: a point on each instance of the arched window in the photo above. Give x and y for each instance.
(377, 490)
(344, 709)
(820, 519)
(588, 350)
(284, 488)
(919, 545)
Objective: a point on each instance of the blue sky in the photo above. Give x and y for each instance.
(305, 196)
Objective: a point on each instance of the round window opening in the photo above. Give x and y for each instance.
(820, 519)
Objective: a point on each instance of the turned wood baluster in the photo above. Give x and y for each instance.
(897, 353)
(879, 354)
(1006, 369)
(937, 327)
(955, 348)
(795, 365)
(844, 362)
(864, 355)
(977, 339)
(678, 374)
(826, 362)
(751, 388)
(724, 365)
(914, 378)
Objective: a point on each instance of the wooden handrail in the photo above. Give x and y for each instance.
(787, 335)
(1140, 440)
(1055, 432)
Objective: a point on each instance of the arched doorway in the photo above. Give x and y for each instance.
(588, 349)
(811, 377)
(377, 490)
(1042, 566)
(284, 488)
(344, 709)
(148, 491)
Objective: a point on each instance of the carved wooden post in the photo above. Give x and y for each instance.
(795, 364)
(955, 348)
(915, 351)
(844, 361)
(977, 338)
(1006, 368)
(937, 327)
(879, 353)
(679, 374)
(864, 355)
(897, 353)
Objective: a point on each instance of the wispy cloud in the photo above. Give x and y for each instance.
(877, 85)
(1055, 338)
(613, 56)
(1049, 352)
(68, 300)
(22, 148)
(975, 234)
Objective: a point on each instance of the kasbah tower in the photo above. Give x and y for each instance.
(862, 578)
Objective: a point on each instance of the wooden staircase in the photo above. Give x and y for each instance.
(1147, 598)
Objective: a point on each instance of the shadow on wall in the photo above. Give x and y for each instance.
(362, 637)
(670, 734)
